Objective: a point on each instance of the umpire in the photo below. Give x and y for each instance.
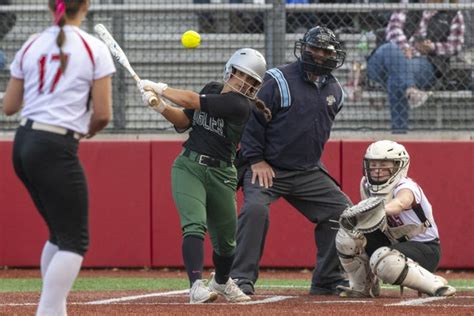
(283, 159)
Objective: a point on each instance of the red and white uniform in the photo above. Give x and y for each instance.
(55, 98)
(410, 217)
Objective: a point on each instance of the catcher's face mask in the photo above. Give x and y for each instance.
(380, 171)
(384, 151)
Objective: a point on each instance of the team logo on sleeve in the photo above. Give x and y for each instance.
(331, 100)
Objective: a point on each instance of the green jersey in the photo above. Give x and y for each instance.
(218, 126)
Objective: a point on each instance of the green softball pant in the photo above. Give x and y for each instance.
(206, 201)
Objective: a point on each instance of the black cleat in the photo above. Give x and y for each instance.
(245, 286)
(329, 289)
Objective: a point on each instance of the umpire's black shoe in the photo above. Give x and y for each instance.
(329, 289)
(245, 286)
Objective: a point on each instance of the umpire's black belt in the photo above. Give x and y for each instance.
(30, 124)
(205, 160)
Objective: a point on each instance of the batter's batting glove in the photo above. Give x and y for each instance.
(157, 87)
(147, 95)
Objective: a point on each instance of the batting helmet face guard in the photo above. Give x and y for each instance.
(319, 51)
(381, 156)
(250, 62)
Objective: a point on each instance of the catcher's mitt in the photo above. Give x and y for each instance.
(365, 217)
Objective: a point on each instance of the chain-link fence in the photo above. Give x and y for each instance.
(150, 31)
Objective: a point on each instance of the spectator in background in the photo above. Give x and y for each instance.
(336, 20)
(206, 20)
(238, 22)
(416, 52)
(7, 21)
(246, 22)
(300, 22)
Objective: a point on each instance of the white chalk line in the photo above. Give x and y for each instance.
(113, 300)
(126, 300)
(340, 302)
(173, 293)
(386, 287)
(454, 305)
(418, 301)
(424, 300)
(135, 297)
(273, 299)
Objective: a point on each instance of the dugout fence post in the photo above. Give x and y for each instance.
(275, 32)
(120, 87)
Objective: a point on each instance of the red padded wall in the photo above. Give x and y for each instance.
(22, 233)
(134, 222)
(445, 172)
(119, 186)
(351, 167)
(119, 191)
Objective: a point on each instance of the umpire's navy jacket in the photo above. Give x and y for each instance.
(303, 114)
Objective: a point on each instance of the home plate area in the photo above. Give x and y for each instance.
(267, 302)
(389, 300)
(182, 297)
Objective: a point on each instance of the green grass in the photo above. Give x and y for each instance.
(98, 284)
(162, 284)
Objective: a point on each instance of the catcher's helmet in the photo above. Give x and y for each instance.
(386, 150)
(322, 38)
(250, 62)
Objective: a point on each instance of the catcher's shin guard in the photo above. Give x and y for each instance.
(355, 262)
(393, 267)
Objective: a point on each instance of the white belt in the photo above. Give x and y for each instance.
(49, 128)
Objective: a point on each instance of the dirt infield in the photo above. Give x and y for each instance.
(266, 302)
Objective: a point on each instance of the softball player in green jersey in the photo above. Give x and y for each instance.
(204, 179)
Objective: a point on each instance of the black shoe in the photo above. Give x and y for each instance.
(329, 289)
(245, 286)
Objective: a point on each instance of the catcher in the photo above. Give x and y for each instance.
(391, 234)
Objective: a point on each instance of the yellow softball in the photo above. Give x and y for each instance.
(191, 39)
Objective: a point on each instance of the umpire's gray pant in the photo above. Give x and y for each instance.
(315, 195)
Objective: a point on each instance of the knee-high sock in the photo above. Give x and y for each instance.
(193, 256)
(57, 282)
(223, 265)
(49, 250)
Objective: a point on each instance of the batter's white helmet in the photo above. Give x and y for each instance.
(391, 151)
(250, 62)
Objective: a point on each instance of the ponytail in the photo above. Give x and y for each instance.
(63, 9)
(260, 105)
(60, 20)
